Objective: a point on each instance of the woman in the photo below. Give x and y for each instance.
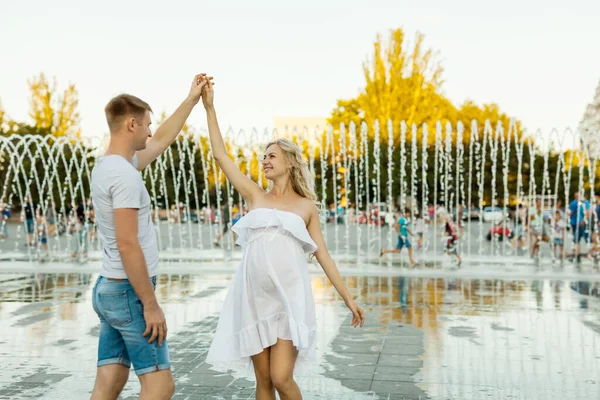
(268, 316)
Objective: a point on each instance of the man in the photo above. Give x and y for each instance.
(577, 211)
(133, 329)
(577, 222)
(28, 210)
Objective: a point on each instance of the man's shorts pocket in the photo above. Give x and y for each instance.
(114, 307)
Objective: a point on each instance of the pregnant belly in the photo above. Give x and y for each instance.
(275, 259)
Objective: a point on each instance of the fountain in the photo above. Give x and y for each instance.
(363, 174)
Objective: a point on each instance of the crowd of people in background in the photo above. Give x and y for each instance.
(78, 222)
(527, 226)
(42, 222)
(451, 230)
(552, 224)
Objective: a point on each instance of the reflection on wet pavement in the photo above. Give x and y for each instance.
(424, 338)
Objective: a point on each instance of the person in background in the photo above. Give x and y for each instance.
(4, 217)
(558, 236)
(538, 231)
(441, 214)
(91, 221)
(577, 222)
(594, 223)
(420, 230)
(28, 211)
(174, 214)
(51, 219)
(73, 228)
(430, 211)
(402, 231)
(83, 239)
(460, 212)
(226, 218)
(42, 238)
(521, 228)
(452, 241)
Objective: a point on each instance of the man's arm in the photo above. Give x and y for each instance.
(168, 131)
(134, 263)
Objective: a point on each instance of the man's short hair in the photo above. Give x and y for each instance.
(122, 107)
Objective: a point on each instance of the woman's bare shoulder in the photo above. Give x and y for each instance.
(308, 207)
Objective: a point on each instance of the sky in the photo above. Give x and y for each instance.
(538, 60)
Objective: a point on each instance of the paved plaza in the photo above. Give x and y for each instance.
(429, 334)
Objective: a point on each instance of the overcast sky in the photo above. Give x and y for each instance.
(538, 60)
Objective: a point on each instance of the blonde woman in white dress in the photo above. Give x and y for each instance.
(268, 316)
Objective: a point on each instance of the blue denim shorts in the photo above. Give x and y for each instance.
(30, 225)
(122, 324)
(579, 232)
(403, 242)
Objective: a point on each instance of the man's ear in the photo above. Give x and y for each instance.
(130, 124)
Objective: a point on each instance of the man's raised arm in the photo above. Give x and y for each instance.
(168, 131)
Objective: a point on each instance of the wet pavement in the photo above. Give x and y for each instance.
(425, 337)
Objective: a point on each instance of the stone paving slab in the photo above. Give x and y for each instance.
(424, 338)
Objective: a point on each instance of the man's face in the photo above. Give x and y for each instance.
(142, 131)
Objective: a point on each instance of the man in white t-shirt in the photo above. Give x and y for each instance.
(133, 329)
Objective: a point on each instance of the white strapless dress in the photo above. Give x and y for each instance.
(270, 296)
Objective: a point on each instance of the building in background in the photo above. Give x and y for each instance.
(589, 127)
(302, 126)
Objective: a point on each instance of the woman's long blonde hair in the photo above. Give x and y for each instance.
(303, 181)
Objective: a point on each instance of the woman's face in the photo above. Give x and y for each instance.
(274, 163)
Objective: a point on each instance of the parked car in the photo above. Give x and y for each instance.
(499, 231)
(493, 214)
(474, 213)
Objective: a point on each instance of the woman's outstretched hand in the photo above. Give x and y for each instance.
(208, 94)
(358, 315)
(198, 84)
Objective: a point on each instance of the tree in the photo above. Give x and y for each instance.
(401, 84)
(51, 110)
(2, 116)
(45, 166)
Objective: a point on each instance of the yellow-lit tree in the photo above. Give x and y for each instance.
(52, 110)
(402, 83)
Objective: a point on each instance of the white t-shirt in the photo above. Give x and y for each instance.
(420, 226)
(559, 227)
(116, 183)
